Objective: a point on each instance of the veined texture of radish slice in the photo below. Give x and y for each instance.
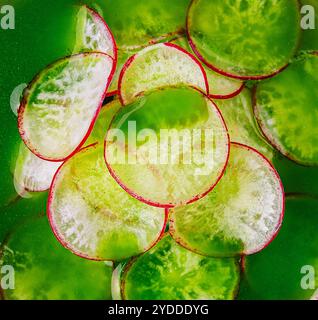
(170, 272)
(93, 217)
(168, 147)
(33, 174)
(61, 104)
(240, 216)
(157, 66)
(244, 39)
(93, 33)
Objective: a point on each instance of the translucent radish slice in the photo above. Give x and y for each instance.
(43, 270)
(93, 217)
(61, 104)
(31, 173)
(244, 39)
(220, 87)
(92, 33)
(170, 272)
(287, 110)
(160, 65)
(240, 216)
(143, 23)
(242, 126)
(169, 147)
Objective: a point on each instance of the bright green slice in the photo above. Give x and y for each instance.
(241, 215)
(287, 268)
(32, 174)
(170, 272)
(43, 270)
(168, 147)
(61, 104)
(220, 87)
(143, 22)
(157, 66)
(287, 111)
(93, 217)
(244, 39)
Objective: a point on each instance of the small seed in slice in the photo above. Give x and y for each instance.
(170, 272)
(240, 216)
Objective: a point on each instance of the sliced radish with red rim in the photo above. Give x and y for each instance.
(61, 104)
(240, 216)
(158, 66)
(93, 217)
(168, 147)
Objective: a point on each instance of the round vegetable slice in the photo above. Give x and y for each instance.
(43, 270)
(31, 173)
(170, 272)
(93, 217)
(144, 22)
(244, 39)
(168, 147)
(61, 104)
(283, 270)
(220, 87)
(160, 65)
(241, 215)
(284, 104)
(93, 34)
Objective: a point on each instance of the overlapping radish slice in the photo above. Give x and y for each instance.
(287, 110)
(240, 216)
(160, 65)
(31, 173)
(244, 39)
(168, 147)
(220, 87)
(93, 34)
(93, 217)
(61, 104)
(43, 270)
(170, 272)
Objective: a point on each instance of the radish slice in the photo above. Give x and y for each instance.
(31, 173)
(240, 216)
(61, 104)
(93, 217)
(164, 64)
(169, 147)
(286, 269)
(170, 272)
(244, 39)
(144, 22)
(43, 270)
(220, 87)
(93, 34)
(287, 110)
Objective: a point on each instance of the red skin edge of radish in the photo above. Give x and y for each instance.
(168, 44)
(224, 73)
(228, 96)
(267, 135)
(281, 217)
(169, 206)
(23, 104)
(53, 226)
